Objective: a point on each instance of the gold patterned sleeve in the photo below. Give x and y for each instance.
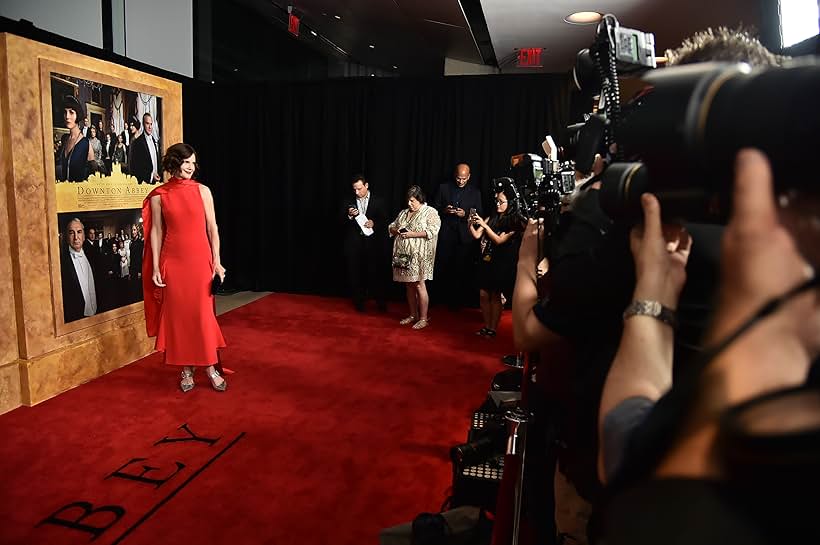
(432, 223)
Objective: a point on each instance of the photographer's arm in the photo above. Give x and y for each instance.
(528, 332)
(641, 371)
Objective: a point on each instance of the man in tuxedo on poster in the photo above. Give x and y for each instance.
(365, 244)
(145, 154)
(77, 275)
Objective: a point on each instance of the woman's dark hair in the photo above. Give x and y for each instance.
(174, 157)
(415, 192)
(90, 128)
(71, 102)
(512, 219)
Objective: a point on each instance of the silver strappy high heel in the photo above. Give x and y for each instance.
(213, 374)
(187, 382)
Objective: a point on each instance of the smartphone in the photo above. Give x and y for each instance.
(472, 212)
(403, 230)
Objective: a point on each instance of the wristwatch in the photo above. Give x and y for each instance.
(644, 307)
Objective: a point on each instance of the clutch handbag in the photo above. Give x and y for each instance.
(216, 283)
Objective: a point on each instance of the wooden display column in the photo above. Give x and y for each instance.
(40, 356)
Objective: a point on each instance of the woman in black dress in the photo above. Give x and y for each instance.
(500, 236)
(75, 153)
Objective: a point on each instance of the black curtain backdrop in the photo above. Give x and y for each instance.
(279, 157)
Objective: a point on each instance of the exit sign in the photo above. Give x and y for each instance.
(293, 24)
(529, 57)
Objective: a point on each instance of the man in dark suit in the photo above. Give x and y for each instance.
(90, 246)
(144, 157)
(365, 251)
(77, 274)
(457, 248)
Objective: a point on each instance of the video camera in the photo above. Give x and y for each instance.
(542, 182)
(679, 136)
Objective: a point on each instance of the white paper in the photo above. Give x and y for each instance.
(361, 219)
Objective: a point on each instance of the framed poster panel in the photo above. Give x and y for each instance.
(103, 146)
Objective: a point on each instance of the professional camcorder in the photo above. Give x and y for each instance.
(543, 181)
(679, 136)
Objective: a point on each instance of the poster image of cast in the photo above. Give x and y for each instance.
(107, 144)
(100, 261)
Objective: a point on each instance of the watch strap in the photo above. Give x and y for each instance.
(646, 307)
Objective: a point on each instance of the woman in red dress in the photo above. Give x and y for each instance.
(181, 261)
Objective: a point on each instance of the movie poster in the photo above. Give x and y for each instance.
(107, 159)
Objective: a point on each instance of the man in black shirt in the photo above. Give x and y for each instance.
(457, 249)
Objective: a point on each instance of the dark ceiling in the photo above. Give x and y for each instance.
(413, 37)
(409, 37)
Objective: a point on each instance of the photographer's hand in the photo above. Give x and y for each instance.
(660, 253)
(352, 212)
(528, 253)
(369, 224)
(459, 212)
(759, 259)
(528, 332)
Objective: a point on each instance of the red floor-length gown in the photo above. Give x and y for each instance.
(181, 315)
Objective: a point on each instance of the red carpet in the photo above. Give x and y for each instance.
(335, 425)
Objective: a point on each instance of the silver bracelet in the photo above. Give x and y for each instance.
(645, 307)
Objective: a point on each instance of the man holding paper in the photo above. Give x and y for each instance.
(365, 245)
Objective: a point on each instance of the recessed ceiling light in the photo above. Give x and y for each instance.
(339, 17)
(583, 18)
(395, 67)
(372, 46)
(373, 75)
(313, 32)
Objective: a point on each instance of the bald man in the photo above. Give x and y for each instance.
(457, 249)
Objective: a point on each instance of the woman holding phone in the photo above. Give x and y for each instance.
(414, 253)
(500, 236)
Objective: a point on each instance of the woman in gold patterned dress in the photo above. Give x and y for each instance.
(414, 253)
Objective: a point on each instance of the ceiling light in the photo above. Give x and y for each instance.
(395, 67)
(583, 18)
(372, 46)
(313, 32)
(339, 17)
(373, 75)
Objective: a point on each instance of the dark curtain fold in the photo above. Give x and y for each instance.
(279, 157)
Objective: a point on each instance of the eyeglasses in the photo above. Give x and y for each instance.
(499, 203)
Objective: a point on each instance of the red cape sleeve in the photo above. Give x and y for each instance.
(152, 295)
